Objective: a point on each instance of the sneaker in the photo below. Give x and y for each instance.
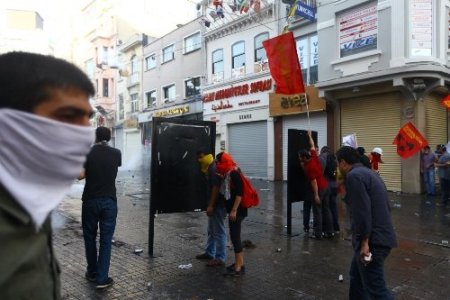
(230, 271)
(215, 263)
(328, 235)
(109, 282)
(315, 236)
(90, 276)
(204, 256)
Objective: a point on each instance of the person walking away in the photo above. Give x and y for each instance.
(443, 165)
(427, 160)
(319, 186)
(216, 243)
(45, 136)
(231, 192)
(373, 232)
(99, 209)
(363, 157)
(328, 162)
(375, 158)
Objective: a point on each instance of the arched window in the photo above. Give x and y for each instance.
(238, 54)
(217, 61)
(260, 52)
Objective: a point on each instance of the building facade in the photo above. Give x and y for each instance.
(173, 71)
(236, 93)
(385, 64)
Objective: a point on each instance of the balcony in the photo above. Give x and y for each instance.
(133, 79)
(238, 72)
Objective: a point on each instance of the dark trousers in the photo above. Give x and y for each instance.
(333, 209)
(445, 187)
(322, 214)
(98, 213)
(367, 282)
(235, 233)
(307, 204)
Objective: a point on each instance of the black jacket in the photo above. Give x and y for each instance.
(371, 217)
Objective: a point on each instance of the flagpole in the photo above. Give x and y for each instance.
(307, 111)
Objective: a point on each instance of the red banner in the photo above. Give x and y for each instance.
(284, 65)
(446, 101)
(409, 141)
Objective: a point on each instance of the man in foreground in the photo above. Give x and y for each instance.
(373, 233)
(44, 138)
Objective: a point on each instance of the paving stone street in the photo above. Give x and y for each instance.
(278, 267)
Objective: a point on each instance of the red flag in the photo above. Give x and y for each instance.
(446, 101)
(409, 141)
(284, 65)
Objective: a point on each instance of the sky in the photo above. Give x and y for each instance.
(156, 17)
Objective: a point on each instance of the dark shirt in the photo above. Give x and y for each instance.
(213, 179)
(101, 171)
(236, 189)
(370, 209)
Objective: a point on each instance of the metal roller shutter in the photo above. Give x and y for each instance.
(436, 122)
(318, 123)
(248, 146)
(376, 121)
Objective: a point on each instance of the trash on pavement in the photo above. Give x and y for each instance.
(341, 278)
(278, 249)
(444, 242)
(188, 266)
(138, 251)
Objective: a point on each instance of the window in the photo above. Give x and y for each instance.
(192, 43)
(134, 103)
(105, 55)
(150, 62)
(121, 108)
(105, 87)
(168, 54)
(150, 97)
(192, 87)
(260, 53)
(238, 53)
(89, 68)
(169, 92)
(134, 64)
(217, 61)
(308, 56)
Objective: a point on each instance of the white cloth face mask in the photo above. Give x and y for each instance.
(39, 159)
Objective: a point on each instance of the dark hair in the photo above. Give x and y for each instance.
(304, 154)
(325, 149)
(427, 147)
(204, 151)
(219, 156)
(361, 150)
(27, 79)
(349, 154)
(102, 134)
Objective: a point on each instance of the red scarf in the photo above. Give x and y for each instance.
(226, 164)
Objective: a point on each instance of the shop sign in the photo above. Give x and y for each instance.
(221, 105)
(240, 90)
(358, 30)
(130, 123)
(280, 104)
(421, 27)
(180, 110)
(251, 102)
(305, 11)
(245, 117)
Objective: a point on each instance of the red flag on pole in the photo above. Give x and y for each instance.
(409, 141)
(284, 65)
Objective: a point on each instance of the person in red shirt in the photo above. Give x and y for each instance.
(319, 185)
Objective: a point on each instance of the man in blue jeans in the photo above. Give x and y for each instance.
(216, 251)
(373, 232)
(99, 208)
(427, 160)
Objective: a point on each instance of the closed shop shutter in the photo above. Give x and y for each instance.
(248, 146)
(132, 152)
(118, 139)
(376, 121)
(217, 144)
(436, 121)
(318, 123)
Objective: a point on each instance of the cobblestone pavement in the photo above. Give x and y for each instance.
(279, 267)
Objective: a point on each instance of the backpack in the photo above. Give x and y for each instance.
(330, 167)
(250, 196)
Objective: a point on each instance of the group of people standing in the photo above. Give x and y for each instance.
(224, 189)
(373, 236)
(429, 162)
